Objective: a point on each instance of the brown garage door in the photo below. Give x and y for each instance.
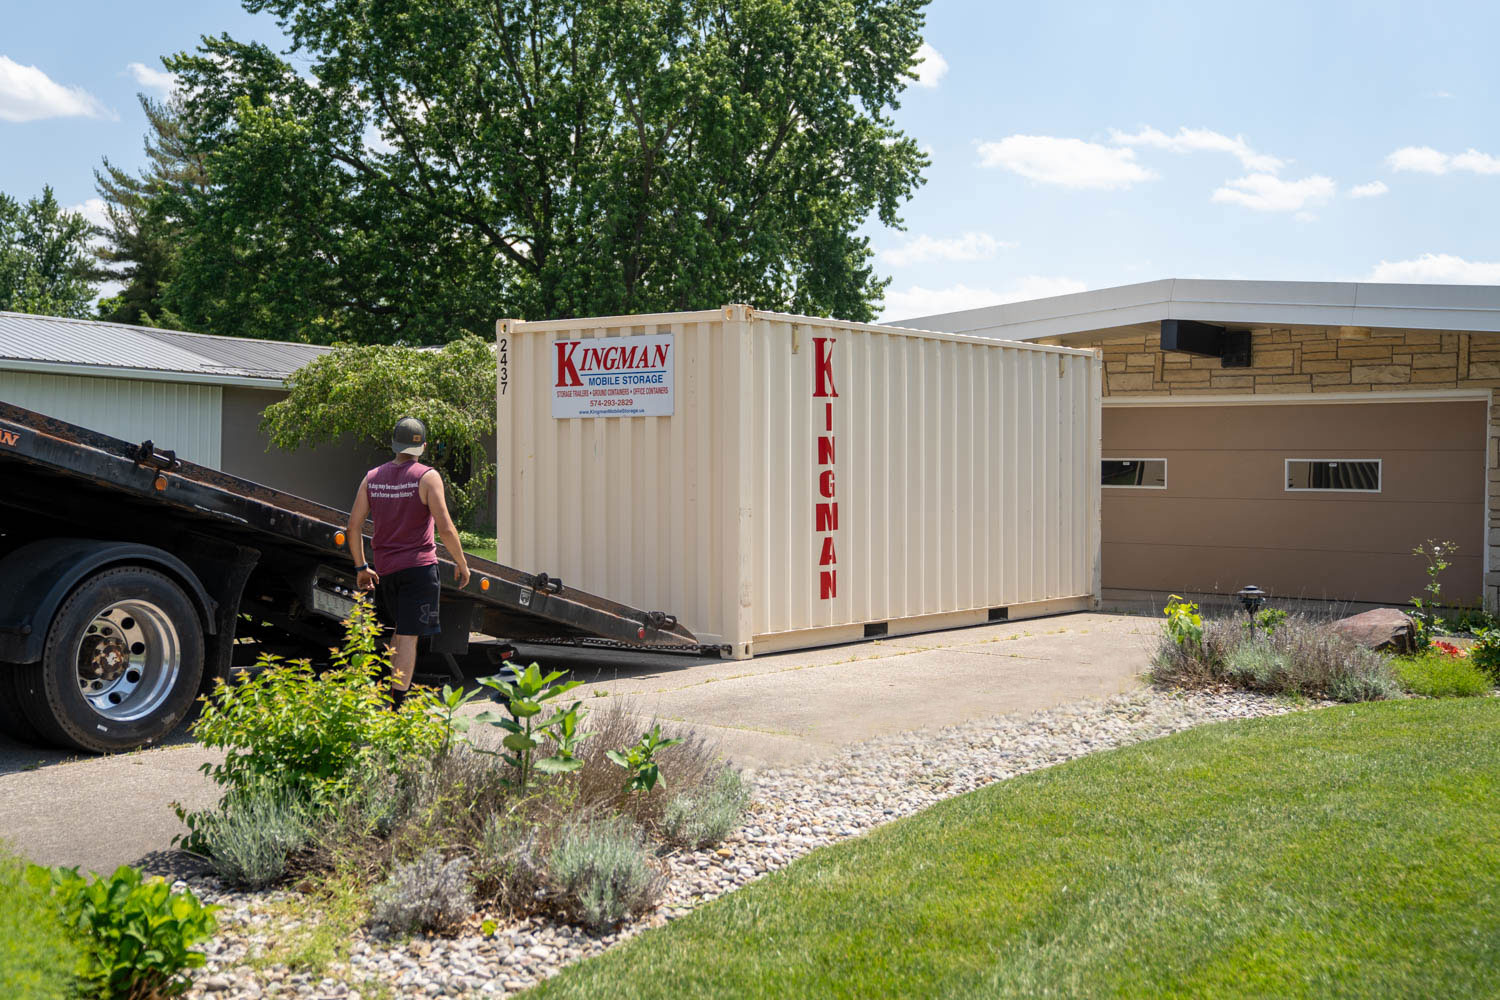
(1226, 518)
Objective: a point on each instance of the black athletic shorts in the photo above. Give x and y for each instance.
(410, 599)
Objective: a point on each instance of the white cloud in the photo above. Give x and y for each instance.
(1199, 140)
(1374, 189)
(1068, 162)
(931, 66)
(969, 246)
(1443, 95)
(1269, 193)
(1421, 159)
(918, 301)
(1477, 162)
(158, 80)
(27, 94)
(91, 209)
(1426, 160)
(1438, 268)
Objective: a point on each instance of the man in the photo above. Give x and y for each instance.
(407, 501)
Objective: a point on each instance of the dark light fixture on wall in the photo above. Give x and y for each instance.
(1231, 347)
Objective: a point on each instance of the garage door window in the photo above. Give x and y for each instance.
(1135, 473)
(1348, 475)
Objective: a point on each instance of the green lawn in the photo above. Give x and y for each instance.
(476, 544)
(1346, 852)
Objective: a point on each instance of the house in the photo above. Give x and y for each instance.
(198, 395)
(1301, 436)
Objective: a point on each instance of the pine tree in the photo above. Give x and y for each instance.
(145, 213)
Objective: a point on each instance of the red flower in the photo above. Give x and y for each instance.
(1447, 648)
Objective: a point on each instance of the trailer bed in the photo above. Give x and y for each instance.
(500, 601)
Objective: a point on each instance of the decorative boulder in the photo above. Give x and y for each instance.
(1384, 629)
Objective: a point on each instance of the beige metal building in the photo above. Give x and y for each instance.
(1301, 436)
(781, 481)
(196, 394)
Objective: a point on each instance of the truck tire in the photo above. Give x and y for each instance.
(121, 666)
(13, 721)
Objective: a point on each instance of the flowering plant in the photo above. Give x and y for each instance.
(1448, 649)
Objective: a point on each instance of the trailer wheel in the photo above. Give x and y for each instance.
(121, 666)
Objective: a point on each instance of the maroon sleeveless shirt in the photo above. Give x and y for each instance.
(403, 524)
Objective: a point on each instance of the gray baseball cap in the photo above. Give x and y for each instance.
(409, 437)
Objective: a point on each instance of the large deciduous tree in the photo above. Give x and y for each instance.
(441, 163)
(46, 265)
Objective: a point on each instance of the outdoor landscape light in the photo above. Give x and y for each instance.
(1252, 597)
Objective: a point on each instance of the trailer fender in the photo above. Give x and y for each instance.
(36, 578)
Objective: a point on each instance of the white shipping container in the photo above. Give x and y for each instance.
(803, 481)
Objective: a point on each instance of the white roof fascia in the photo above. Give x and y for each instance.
(138, 374)
(1246, 303)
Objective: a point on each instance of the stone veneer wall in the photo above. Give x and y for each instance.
(1305, 360)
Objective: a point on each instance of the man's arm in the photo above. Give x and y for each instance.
(437, 505)
(355, 535)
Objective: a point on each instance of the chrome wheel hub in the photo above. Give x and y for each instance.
(128, 660)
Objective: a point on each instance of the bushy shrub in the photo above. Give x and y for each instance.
(602, 873)
(37, 954)
(290, 726)
(137, 934)
(1302, 656)
(1440, 675)
(703, 816)
(1485, 653)
(429, 894)
(252, 834)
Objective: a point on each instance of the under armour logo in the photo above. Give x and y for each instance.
(429, 614)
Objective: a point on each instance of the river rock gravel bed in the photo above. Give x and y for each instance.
(794, 810)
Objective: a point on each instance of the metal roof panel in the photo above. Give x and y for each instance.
(56, 340)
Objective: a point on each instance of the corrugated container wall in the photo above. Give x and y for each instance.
(815, 481)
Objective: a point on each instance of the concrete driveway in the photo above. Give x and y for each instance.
(779, 709)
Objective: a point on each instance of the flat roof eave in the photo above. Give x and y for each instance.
(1473, 308)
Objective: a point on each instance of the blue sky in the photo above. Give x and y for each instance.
(1074, 145)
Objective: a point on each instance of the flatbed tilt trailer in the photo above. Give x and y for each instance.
(130, 580)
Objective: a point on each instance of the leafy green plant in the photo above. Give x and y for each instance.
(289, 726)
(37, 954)
(525, 733)
(705, 816)
(1184, 624)
(444, 706)
(1266, 620)
(639, 761)
(138, 934)
(1485, 653)
(602, 873)
(1427, 611)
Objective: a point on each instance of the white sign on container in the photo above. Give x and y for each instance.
(613, 377)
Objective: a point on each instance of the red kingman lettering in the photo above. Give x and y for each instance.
(825, 451)
(823, 367)
(828, 584)
(828, 558)
(826, 517)
(825, 483)
(567, 370)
